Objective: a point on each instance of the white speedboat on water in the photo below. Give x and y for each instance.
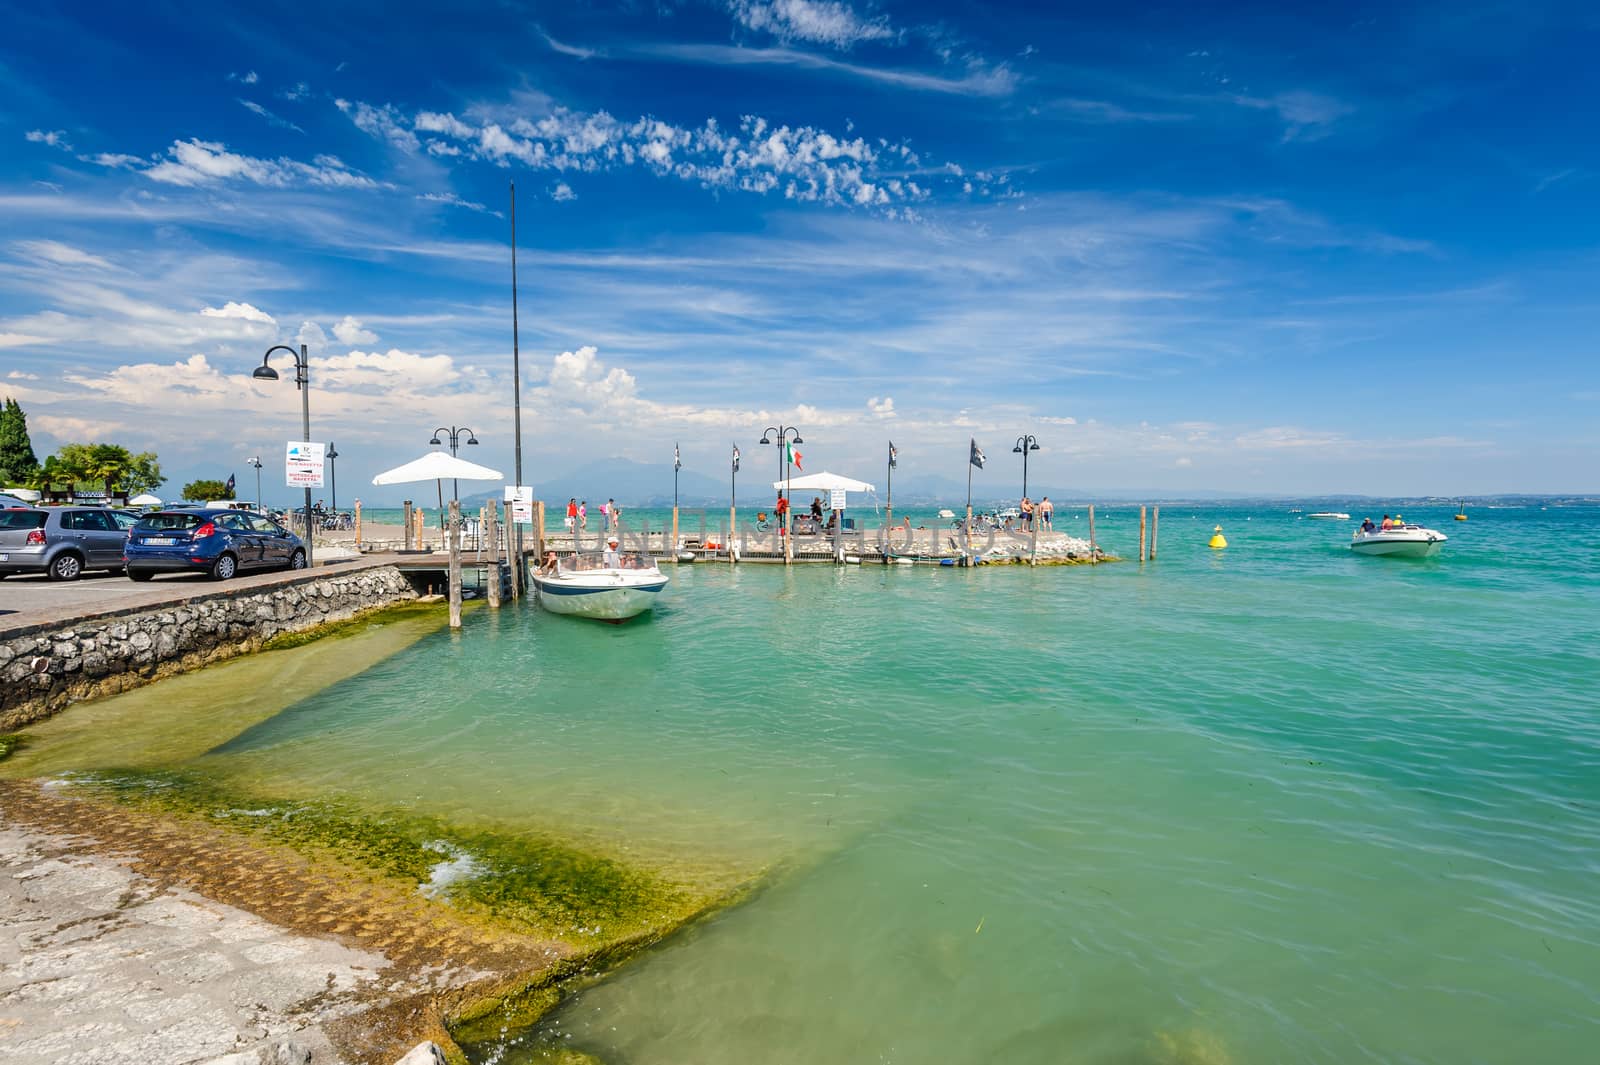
(1401, 541)
(1328, 515)
(584, 585)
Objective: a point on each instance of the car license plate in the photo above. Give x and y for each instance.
(159, 541)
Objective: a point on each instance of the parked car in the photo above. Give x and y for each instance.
(9, 501)
(219, 542)
(60, 541)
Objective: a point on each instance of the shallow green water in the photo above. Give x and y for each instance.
(1275, 803)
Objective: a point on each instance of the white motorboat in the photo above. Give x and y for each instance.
(585, 586)
(1328, 515)
(1399, 541)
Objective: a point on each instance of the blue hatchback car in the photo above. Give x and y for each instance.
(215, 541)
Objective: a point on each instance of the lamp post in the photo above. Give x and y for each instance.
(894, 460)
(1025, 444)
(302, 381)
(333, 476)
(454, 433)
(785, 443)
(261, 507)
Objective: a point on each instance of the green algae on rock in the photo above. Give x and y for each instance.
(534, 886)
(353, 626)
(11, 742)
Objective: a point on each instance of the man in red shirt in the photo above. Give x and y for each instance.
(783, 510)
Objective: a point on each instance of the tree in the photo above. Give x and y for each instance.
(200, 491)
(17, 460)
(109, 464)
(144, 474)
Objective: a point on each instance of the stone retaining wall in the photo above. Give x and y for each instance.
(45, 668)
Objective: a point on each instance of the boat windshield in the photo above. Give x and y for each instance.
(595, 560)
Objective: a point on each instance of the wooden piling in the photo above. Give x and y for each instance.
(491, 535)
(358, 525)
(538, 544)
(1092, 551)
(405, 527)
(1155, 525)
(674, 533)
(733, 528)
(1141, 535)
(1033, 546)
(453, 534)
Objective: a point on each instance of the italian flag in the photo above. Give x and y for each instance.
(794, 456)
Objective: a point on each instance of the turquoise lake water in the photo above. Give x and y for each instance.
(1275, 803)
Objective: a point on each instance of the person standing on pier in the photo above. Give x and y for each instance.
(572, 513)
(583, 514)
(614, 515)
(1047, 513)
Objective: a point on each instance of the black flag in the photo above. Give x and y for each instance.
(736, 458)
(894, 454)
(976, 458)
(230, 486)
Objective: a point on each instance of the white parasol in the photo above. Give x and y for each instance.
(438, 466)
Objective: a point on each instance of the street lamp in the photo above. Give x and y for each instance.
(256, 462)
(784, 443)
(1025, 444)
(454, 433)
(302, 381)
(333, 476)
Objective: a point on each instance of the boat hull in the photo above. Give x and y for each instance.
(1397, 547)
(587, 599)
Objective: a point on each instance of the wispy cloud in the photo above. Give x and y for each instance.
(568, 49)
(53, 251)
(272, 119)
(981, 79)
(55, 138)
(196, 162)
(452, 200)
(1306, 116)
(817, 21)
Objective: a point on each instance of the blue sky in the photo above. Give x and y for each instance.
(1346, 248)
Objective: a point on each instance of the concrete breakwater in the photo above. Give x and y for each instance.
(47, 664)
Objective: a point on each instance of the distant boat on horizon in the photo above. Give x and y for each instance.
(1329, 515)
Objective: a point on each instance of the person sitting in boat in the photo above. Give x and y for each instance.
(1388, 523)
(612, 559)
(1367, 526)
(549, 566)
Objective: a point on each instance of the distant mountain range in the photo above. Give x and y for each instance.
(641, 484)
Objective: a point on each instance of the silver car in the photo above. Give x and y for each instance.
(61, 541)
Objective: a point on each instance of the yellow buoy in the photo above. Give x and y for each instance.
(1218, 541)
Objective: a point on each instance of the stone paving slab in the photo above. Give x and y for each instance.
(102, 966)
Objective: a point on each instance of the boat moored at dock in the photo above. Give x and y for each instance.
(591, 585)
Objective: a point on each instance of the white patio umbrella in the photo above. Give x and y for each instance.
(436, 466)
(825, 482)
(146, 500)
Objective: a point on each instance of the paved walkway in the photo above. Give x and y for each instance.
(30, 601)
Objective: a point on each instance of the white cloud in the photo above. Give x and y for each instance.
(803, 164)
(272, 118)
(114, 160)
(18, 375)
(247, 78)
(819, 21)
(244, 311)
(562, 193)
(385, 123)
(298, 91)
(372, 370)
(882, 408)
(55, 138)
(1184, 461)
(1306, 116)
(453, 200)
(312, 336)
(53, 251)
(195, 163)
(21, 340)
(350, 331)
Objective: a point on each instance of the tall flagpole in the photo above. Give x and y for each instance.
(516, 388)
